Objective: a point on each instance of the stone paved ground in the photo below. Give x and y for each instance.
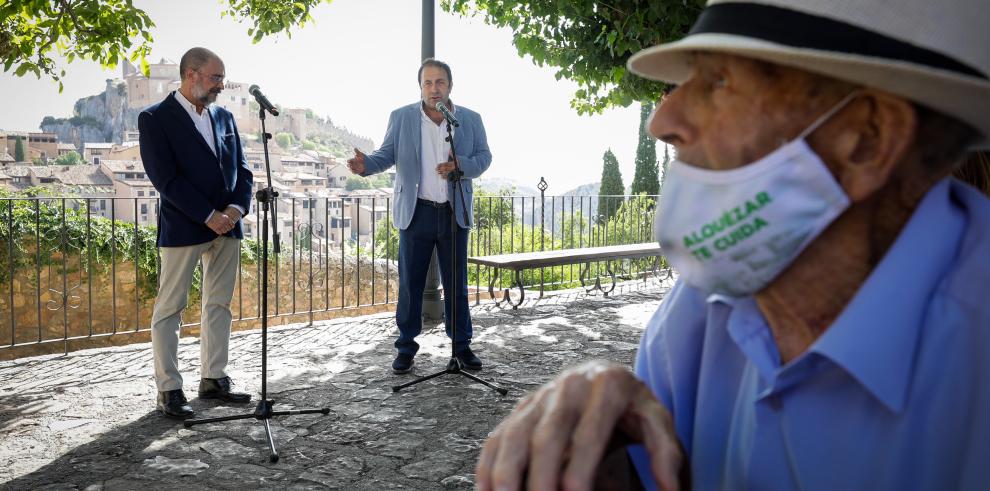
(87, 420)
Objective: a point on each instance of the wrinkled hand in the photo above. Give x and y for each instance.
(444, 168)
(233, 213)
(555, 438)
(220, 223)
(356, 163)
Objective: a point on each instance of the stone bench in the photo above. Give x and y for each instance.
(517, 262)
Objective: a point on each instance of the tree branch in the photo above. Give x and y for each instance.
(66, 7)
(616, 9)
(53, 36)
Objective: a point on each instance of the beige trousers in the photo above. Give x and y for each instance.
(219, 272)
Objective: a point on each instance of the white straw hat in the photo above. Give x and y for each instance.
(934, 53)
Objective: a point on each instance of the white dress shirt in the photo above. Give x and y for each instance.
(436, 150)
(202, 120)
(204, 125)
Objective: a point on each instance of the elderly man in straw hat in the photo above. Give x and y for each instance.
(831, 325)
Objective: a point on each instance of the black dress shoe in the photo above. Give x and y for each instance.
(219, 388)
(468, 359)
(403, 363)
(172, 403)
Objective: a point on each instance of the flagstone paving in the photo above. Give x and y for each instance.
(87, 420)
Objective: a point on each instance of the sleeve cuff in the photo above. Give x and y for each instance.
(209, 216)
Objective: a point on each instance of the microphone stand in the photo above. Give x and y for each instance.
(454, 365)
(265, 410)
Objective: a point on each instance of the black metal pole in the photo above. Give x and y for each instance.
(432, 304)
(428, 29)
(265, 410)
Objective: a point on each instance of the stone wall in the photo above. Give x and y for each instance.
(116, 309)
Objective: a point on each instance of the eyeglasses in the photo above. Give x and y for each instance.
(217, 79)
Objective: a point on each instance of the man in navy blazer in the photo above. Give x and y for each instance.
(192, 154)
(415, 144)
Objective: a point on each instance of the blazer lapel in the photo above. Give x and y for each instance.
(417, 124)
(226, 167)
(185, 121)
(216, 132)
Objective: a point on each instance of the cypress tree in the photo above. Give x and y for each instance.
(611, 185)
(19, 150)
(646, 179)
(666, 162)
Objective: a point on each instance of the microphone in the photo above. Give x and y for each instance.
(262, 100)
(451, 120)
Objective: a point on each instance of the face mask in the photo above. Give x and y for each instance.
(732, 232)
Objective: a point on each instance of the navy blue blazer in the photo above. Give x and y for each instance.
(192, 181)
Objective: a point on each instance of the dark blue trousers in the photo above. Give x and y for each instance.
(430, 226)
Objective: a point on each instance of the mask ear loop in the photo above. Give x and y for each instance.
(828, 114)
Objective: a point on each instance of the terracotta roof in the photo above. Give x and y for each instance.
(17, 170)
(72, 175)
(123, 165)
(292, 176)
(301, 158)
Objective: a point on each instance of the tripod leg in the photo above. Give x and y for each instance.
(396, 388)
(191, 422)
(291, 412)
(271, 443)
(485, 383)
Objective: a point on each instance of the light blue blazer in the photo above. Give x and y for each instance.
(402, 148)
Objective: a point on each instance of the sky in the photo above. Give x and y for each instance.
(356, 63)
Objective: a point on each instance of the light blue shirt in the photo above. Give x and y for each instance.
(894, 395)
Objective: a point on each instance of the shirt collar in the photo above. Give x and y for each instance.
(875, 338)
(189, 106)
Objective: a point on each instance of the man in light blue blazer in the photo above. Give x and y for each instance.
(415, 142)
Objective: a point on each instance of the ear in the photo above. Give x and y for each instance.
(866, 142)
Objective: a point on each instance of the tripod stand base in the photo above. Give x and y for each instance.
(453, 366)
(264, 413)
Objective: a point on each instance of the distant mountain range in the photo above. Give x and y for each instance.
(496, 184)
(585, 200)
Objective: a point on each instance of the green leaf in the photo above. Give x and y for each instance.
(588, 40)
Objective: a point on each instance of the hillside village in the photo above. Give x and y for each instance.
(95, 154)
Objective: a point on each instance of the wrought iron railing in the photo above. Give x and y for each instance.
(87, 268)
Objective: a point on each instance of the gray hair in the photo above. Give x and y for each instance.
(194, 59)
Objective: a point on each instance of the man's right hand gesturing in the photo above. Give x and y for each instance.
(556, 437)
(356, 163)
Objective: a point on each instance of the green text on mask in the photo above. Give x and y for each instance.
(726, 221)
